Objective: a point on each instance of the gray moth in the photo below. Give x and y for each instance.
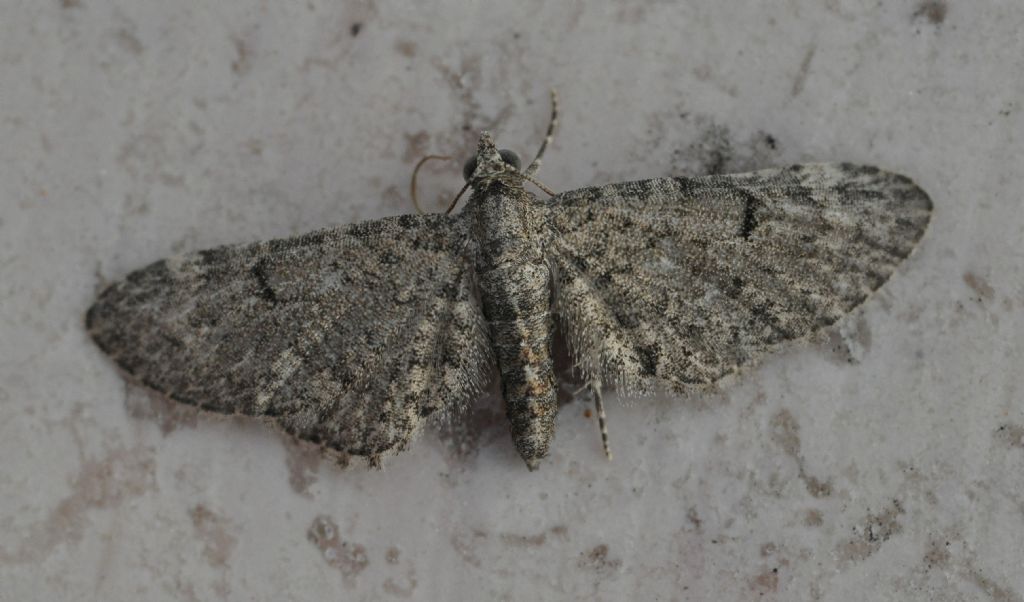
(353, 337)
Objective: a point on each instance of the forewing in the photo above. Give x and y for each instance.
(346, 337)
(682, 280)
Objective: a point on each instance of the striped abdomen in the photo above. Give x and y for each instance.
(515, 286)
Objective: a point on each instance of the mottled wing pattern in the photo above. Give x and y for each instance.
(682, 280)
(347, 337)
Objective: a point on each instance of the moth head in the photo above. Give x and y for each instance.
(491, 165)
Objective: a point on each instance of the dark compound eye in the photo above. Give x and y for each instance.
(468, 168)
(509, 157)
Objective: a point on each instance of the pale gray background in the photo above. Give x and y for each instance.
(884, 461)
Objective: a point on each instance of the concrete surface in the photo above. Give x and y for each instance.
(882, 462)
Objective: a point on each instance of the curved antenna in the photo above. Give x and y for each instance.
(456, 199)
(412, 183)
(533, 181)
(548, 137)
(526, 174)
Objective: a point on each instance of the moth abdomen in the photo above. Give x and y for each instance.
(515, 291)
(528, 382)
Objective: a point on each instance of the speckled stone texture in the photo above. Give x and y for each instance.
(883, 461)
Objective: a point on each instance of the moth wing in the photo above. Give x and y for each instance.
(682, 280)
(347, 337)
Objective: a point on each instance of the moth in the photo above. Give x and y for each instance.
(352, 337)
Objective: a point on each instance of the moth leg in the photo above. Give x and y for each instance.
(535, 164)
(595, 388)
(374, 461)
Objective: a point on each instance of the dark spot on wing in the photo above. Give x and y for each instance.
(750, 220)
(734, 287)
(264, 290)
(212, 256)
(689, 187)
(408, 221)
(648, 358)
